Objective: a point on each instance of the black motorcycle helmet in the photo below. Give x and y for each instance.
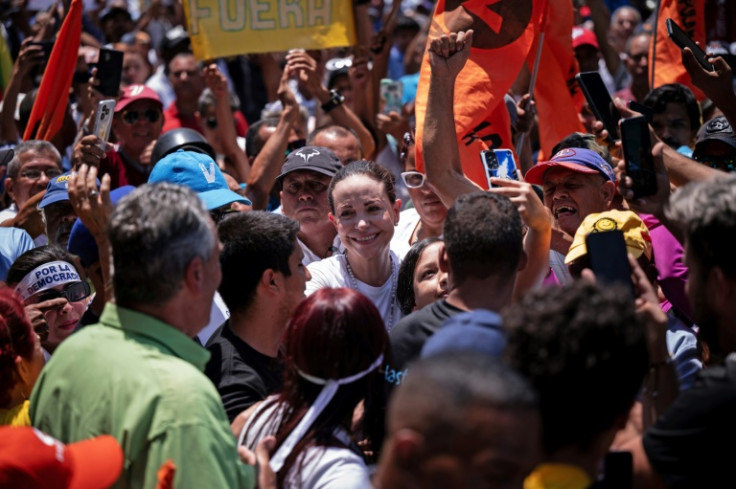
(181, 138)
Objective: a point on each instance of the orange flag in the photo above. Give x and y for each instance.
(557, 95)
(51, 101)
(665, 57)
(503, 33)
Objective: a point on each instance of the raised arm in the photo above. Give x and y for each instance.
(267, 164)
(217, 82)
(447, 56)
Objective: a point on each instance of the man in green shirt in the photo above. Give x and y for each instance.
(137, 375)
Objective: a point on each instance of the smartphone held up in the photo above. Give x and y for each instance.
(499, 163)
(637, 149)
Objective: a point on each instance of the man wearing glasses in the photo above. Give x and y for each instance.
(35, 163)
(137, 124)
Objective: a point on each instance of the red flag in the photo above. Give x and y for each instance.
(556, 93)
(665, 58)
(503, 32)
(51, 101)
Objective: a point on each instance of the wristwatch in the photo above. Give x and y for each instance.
(336, 99)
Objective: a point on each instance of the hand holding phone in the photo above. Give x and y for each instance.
(499, 163)
(103, 120)
(608, 258)
(600, 101)
(637, 148)
(680, 38)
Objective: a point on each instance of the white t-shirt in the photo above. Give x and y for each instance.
(311, 257)
(332, 272)
(403, 232)
(317, 467)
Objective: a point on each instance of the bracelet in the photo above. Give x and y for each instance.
(336, 99)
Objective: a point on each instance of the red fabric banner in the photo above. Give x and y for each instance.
(53, 95)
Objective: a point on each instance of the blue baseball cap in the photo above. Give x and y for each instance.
(475, 331)
(200, 173)
(576, 159)
(56, 190)
(81, 242)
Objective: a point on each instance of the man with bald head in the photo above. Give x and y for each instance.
(343, 142)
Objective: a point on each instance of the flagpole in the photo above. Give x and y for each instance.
(535, 72)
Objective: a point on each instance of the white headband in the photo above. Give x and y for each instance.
(47, 276)
(323, 399)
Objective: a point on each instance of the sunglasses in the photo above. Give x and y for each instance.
(211, 122)
(132, 116)
(74, 292)
(32, 174)
(413, 179)
(726, 163)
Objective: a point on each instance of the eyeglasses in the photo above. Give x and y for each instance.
(74, 292)
(33, 174)
(211, 122)
(132, 116)
(413, 179)
(311, 186)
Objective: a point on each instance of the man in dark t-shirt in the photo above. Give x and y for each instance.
(263, 280)
(690, 445)
(483, 251)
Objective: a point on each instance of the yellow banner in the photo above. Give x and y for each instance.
(221, 28)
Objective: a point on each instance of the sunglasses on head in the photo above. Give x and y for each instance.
(132, 116)
(413, 179)
(73, 292)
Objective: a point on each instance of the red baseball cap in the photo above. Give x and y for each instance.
(31, 459)
(581, 37)
(131, 93)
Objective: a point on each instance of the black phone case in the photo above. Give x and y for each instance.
(110, 72)
(638, 157)
(596, 94)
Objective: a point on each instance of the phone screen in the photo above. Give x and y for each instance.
(608, 260)
(638, 155)
(600, 101)
(392, 94)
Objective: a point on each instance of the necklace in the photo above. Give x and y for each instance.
(394, 284)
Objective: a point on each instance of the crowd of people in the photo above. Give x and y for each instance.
(264, 278)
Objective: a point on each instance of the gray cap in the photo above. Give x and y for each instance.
(312, 158)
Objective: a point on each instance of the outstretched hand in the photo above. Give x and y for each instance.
(714, 84)
(92, 206)
(449, 53)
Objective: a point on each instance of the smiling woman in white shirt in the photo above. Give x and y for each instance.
(364, 210)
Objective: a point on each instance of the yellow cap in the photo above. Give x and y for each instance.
(636, 234)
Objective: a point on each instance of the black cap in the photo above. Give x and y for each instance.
(312, 158)
(717, 129)
(181, 138)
